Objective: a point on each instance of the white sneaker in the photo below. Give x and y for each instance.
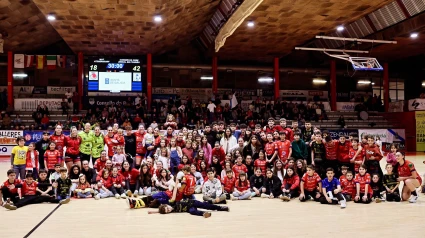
(117, 196)
(413, 199)
(123, 196)
(343, 204)
(97, 197)
(263, 195)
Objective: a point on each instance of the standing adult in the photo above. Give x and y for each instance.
(72, 154)
(140, 149)
(68, 95)
(411, 178)
(98, 144)
(86, 142)
(130, 142)
(75, 102)
(41, 146)
(110, 142)
(59, 139)
(211, 108)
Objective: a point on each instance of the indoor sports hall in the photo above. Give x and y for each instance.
(212, 118)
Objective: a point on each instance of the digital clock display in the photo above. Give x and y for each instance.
(114, 66)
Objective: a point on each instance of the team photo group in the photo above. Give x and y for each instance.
(149, 168)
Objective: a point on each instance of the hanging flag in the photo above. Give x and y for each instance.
(61, 61)
(29, 61)
(51, 62)
(233, 101)
(40, 62)
(19, 61)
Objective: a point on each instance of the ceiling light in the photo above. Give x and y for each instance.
(250, 24)
(265, 79)
(51, 17)
(423, 83)
(363, 82)
(340, 28)
(157, 18)
(319, 81)
(20, 75)
(206, 77)
(414, 35)
(373, 83)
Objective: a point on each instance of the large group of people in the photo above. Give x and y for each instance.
(221, 162)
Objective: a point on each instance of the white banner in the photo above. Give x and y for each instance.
(346, 106)
(417, 104)
(9, 134)
(8, 141)
(59, 90)
(30, 104)
(383, 134)
(6, 150)
(19, 89)
(302, 93)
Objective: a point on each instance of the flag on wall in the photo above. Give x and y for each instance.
(19, 61)
(51, 62)
(40, 62)
(61, 60)
(233, 101)
(29, 61)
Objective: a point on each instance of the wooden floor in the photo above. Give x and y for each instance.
(256, 218)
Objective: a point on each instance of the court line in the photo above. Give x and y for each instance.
(42, 221)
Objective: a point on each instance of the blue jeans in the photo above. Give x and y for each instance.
(62, 197)
(202, 205)
(162, 197)
(20, 171)
(242, 197)
(83, 195)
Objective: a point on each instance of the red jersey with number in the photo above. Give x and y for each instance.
(140, 149)
(407, 169)
(6, 184)
(51, 158)
(270, 148)
(343, 152)
(283, 149)
(347, 186)
(59, 141)
(72, 145)
(331, 150)
(242, 186)
(237, 169)
(358, 158)
(111, 145)
(262, 164)
(363, 180)
(228, 184)
(190, 182)
(311, 182)
(29, 189)
(131, 175)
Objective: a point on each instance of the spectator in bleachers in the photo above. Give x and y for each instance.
(7, 122)
(17, 122)
(45, 122)
(64, 106)
(45, 109)
(68, 96)
(341, 121)
(75, 102)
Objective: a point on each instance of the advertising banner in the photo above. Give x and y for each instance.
(420, 130)
(34, 136)
(335, 134)
(59, 90)
(302, 93)
(8, 141)
(103, 101)
(417, 104)
(30, 104)
(346, 106)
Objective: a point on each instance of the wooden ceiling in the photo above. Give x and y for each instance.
(126, 27)
(25, 27)
(280, 25)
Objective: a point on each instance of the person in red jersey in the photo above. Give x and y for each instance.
(72, 154)
(187, 151)
(331, 147)
(239, 167)
(32, 160)
(271, 127)
(289, 131)
(270, 149)
(100, 163)
(188, 183)
(356, 154)
(52, 157)
(110, 142)
(372, 157)
(130, 177)
(363, 190)
(59, 139)
(411, 178)
(284, 148)
(118, 184)
(343, 153)
(261, 162)
(291, 184)
(218, 151)
(140, 149)
(228, 182)
(348, 186)
(180, 141)
(242, 190)
(308, 186)
(9, 188)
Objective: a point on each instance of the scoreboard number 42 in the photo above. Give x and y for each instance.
(136, 68)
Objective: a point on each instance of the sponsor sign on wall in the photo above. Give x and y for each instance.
(30, 104)
(335, 134)
(302, 93)
(8, 141)
(420, 130)
(346, 106)
(417, 104)
(59, 90)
